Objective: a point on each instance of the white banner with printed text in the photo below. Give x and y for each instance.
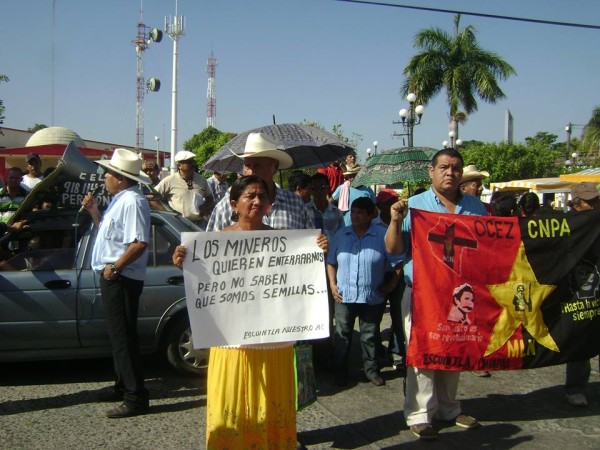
(255, 287)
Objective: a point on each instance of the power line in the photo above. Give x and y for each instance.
(467, 13)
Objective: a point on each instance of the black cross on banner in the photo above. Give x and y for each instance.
(448, 241)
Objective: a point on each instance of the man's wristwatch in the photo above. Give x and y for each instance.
(113, 269)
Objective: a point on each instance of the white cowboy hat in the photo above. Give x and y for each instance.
(126, 163)
(258, 146)
(184, 155)
(471, 173)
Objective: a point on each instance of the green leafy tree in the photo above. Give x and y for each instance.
(457, 64)
(312, 123)
(37, 127)
(207, 143)
(2, 109)
(590, 140)
(353, 141)
(535, 159)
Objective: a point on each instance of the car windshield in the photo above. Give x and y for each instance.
(49, 243)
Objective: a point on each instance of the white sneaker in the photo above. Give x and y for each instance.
(577, 399)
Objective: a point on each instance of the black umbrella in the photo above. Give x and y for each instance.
(308, 146)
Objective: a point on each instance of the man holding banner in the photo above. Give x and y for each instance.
(431, 394)
(528, 309)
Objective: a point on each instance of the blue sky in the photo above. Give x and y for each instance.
(319, 60)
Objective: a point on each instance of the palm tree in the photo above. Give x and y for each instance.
(591, 135)
(458, 64)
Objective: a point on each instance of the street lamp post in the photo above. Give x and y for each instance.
(409, 118)
(375, 147)
(452, 136)
(157, 139)
(368, 153)
(568, 130)
(453, 143)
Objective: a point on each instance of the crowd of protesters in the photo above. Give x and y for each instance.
(353, 219)
(359, 227)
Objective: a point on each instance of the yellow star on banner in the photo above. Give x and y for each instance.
(521, 298)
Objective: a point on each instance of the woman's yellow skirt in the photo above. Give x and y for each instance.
(251, 398)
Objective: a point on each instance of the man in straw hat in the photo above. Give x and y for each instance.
(262, 158)
(119, 256)
(472, 183)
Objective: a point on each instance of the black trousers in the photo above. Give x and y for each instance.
(121, 300)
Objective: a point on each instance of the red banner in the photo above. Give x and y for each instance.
(499, 293)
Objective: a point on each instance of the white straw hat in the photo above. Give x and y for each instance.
(471, 173)
(258, 146)
(126, 163)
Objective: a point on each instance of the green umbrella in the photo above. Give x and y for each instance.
(399, 165)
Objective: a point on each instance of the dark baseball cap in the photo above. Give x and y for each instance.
(584, 191)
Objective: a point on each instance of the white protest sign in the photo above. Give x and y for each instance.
(255, 287)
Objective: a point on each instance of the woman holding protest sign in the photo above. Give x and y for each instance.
(251, 389)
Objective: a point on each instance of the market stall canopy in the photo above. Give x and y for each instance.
(592, 175)
(545, 185)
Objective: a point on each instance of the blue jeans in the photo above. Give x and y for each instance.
(369, 319)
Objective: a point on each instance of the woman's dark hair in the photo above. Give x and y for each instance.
(240, 185)
(364, 203)
(503, 203)
(529, 203)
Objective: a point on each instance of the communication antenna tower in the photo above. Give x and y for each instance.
(145, 36)
(174, 26)
(211, 96)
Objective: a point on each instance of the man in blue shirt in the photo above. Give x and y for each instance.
(119, 256)
(356, 265)
(431, 394)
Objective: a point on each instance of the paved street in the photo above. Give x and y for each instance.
(52, 405)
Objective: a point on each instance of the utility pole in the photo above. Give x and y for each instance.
(568, 129)
(174, 27)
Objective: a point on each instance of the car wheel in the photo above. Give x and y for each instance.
(180, 350)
